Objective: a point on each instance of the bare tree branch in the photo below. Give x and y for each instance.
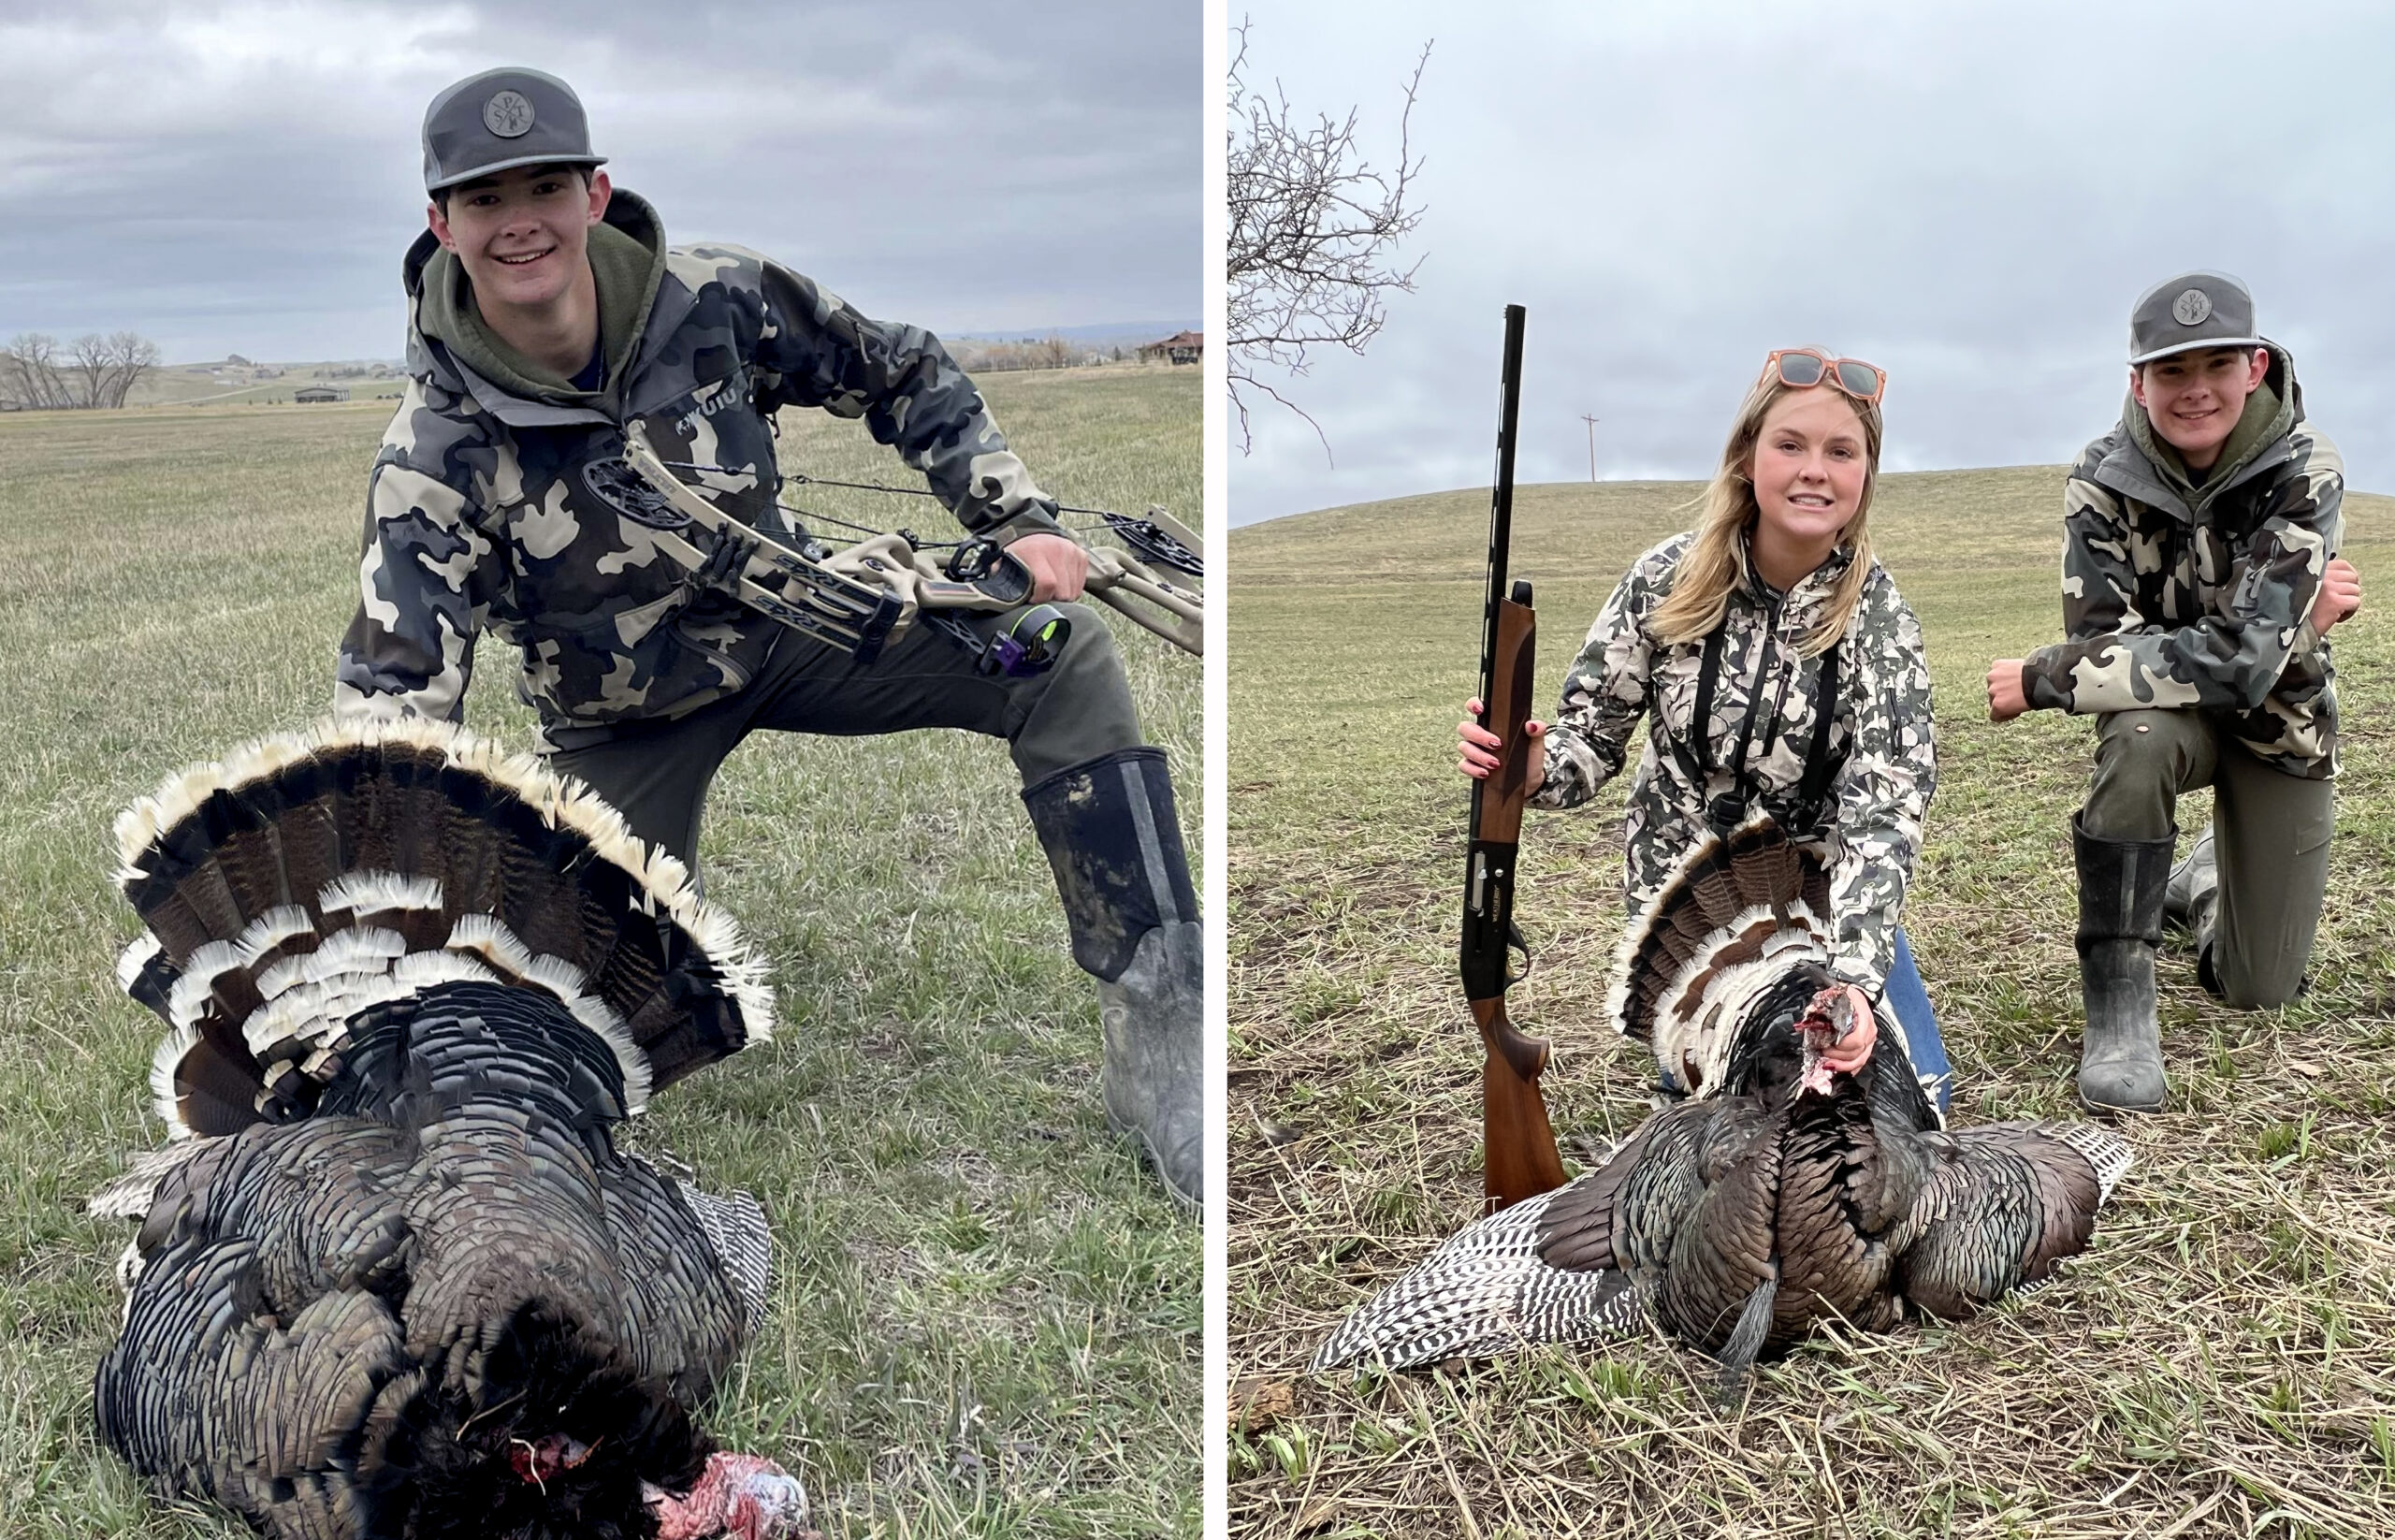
(94, 371)
(130, 355)
(29, 372)
(87, 367)
(1314, 231)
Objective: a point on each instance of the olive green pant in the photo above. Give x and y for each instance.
(656, 774)
(2269, 835)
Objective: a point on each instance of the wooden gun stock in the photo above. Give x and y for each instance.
(1518, 1154)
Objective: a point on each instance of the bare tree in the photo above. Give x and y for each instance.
(1055, 352)
(96, 371)
(131, 356)
(29, 373)
(1314, 232)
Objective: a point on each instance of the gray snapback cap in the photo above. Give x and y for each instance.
(502, 118)
(2191, 310)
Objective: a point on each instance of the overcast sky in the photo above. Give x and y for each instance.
(1971, 195)
(244, 177)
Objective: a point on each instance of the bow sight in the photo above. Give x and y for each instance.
(858, 599)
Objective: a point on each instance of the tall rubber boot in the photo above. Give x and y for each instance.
(2193, 901)
(1114, 842)
(2121, 884)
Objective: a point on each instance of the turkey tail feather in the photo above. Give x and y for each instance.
(1739, 912)
(297, 881)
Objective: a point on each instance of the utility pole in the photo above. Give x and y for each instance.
(1592, 444)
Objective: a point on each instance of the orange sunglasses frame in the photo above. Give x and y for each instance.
(1829, 373)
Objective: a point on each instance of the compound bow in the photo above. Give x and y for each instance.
(860, 598)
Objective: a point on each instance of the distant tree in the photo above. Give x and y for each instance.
(110, 367)
(1055, 352)
(94, 371)
(29, 372)
(1314, 234)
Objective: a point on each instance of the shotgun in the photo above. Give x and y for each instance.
(1520, 1160)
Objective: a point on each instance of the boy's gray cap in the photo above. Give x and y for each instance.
(2191, 310)
(502, 118)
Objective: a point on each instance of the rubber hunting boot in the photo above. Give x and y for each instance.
(2121, 885)
(2193, 902)
(1113, 841)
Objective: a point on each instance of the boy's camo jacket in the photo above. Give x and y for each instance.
(486, 510)
(2169, 607)
(1880, 723)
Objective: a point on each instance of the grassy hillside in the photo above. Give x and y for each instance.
(985, 1318)
(2224, 1361)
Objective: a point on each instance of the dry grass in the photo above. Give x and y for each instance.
(985, 1317)
(2222, 1362)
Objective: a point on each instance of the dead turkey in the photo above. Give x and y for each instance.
(393, 1276)
(1779, 1194)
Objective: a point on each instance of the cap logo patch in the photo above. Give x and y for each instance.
(2191, 309)
(508, 115)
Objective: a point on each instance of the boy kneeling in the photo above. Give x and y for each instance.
(2200, 579)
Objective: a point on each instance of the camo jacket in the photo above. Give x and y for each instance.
(1870, 830)
(2209, 607)
(488, 510)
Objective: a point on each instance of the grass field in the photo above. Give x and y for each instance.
(2223, 1363)
(986, 1316)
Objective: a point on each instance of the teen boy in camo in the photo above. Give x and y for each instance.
(547, 314)
(2198, 580)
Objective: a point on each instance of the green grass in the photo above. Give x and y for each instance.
(987, 1314)
(2223, 1363)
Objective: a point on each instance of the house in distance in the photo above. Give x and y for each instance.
(1181, 347)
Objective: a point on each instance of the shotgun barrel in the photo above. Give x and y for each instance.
(1520, 1160)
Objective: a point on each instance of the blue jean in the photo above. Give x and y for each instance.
(1911, 1002)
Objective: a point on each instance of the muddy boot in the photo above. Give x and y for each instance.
(2192, 902)
(1154, 1017)
(1114, 844)
(2121, 883)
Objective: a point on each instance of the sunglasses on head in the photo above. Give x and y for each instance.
(1803, 368)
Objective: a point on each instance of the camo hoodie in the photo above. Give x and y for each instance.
(2177, 594)
(500, 506)
(1879, 723)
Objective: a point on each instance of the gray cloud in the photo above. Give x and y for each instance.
(1970, 196)
(245, 176)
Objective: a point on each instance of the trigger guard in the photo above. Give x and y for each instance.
(1515, 942)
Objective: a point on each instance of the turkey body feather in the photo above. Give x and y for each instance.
(392, 1277)
(1781, 1195)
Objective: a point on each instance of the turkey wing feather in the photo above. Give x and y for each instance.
(2008, 1202)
